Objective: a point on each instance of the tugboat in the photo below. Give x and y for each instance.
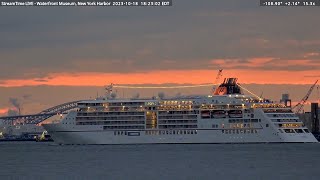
(44, 137)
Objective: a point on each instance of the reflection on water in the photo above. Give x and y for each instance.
(21, 160)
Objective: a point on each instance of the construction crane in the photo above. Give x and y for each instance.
(318, 87)
(300, 105)
(216, 80)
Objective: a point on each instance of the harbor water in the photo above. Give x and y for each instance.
(34, 160)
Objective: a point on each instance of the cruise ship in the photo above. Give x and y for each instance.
(226, 116)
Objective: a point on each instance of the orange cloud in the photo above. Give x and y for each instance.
(170, 76)
(4, 110)
(257, 62)
(311, 54)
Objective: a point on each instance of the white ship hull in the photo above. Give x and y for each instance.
(63, 135)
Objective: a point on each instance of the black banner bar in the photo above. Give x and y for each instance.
(87, 3)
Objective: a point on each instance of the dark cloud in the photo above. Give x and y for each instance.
(41, 80)
(299, 64)
(38, 41)
(27, 96)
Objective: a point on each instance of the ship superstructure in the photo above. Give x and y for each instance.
(227, 116)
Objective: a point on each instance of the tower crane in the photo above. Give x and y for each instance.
(216, 80)
(300, 105)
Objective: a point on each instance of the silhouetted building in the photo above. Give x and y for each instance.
(311, 119)
(315, 117)
(286, 100)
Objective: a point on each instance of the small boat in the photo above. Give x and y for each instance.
(44, 137)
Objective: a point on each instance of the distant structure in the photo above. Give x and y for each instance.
(315, 117)
(286, 100)
(297, 108)
(311, 119)
(41, 116)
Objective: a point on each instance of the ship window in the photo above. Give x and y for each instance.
(267, 125)
(306, 130)
(289, 130)
(299, 130)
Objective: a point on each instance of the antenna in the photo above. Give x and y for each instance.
(261, 94)
(109, 90)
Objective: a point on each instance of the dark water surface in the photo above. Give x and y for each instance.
(31, 160)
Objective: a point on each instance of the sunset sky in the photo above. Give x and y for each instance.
(77, 50)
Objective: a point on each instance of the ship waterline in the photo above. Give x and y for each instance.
(227, 116)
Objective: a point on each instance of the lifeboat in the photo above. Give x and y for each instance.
(205, 114)
(235, 114)
(218, 114)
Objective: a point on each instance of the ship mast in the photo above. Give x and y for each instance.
(109, 89)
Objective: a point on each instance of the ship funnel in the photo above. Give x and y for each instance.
(229, 86)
